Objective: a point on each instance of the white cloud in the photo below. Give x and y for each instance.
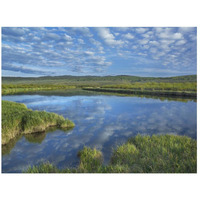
(155, 43)
(36, 38)
(89, 53)
(177, 36)
(167, 41)
(148, 34)
(158, 29)
(52, 36)
(143, 41)
(116, 34)
(180, 42)
(108, 37)
(67, 37)
(95, 42)
(193, 37)
(164, 35)
(82, 30)
(168, 34)
(6, 46)
(81, 41)
(128, 36)
(186, 29)
(141, 30)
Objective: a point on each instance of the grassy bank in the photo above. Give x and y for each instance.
(17, 119)
(153, 86)
(141, 154)
(145, 92)
(24, 88)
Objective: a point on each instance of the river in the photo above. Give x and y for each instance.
(101, 121)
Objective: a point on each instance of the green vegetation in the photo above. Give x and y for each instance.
(43, 168)
(141, 154)
(175, 86)
(90, 160)
(186, 86)
(17, 119)
(169, 93)
(94, 80)
(24, 88)
(151, 88)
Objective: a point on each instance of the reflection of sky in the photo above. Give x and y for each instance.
(102, 122)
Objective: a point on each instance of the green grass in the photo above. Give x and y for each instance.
(43, 168)
(141, 154)
(24, 88)
(167, 93)
(12, 85)
(158, 154)
(188, 89)
(17, 119)
(94, 80)
(153, 86)
(90, 160)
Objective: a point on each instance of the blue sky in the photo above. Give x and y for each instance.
(139, 51)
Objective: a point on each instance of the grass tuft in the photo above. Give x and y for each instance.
(90, 160)
(18, 119)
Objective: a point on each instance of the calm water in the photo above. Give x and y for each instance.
(101, 121)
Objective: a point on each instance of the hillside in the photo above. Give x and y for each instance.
(96, 80)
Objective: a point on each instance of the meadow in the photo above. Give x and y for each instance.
(24, 88)
(178, 86)
(141, 154)
(17, 119)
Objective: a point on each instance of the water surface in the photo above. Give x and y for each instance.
(100, 121)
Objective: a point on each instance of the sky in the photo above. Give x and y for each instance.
(99, 51)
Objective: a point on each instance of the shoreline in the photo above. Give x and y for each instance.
(145, 92)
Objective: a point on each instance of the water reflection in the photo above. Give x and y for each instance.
(101, 121)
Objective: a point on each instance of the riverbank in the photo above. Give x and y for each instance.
(25, 88)
(152, 90)
(141, 154)
(145, 92)
(17, 119)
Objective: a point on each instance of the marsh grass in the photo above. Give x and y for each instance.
(168, 93)
(43, 168)
(162, 154)
(90, 160)
(17, 119)
(24, 88)
(12, 85)
(141, 154)
(185, 86)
